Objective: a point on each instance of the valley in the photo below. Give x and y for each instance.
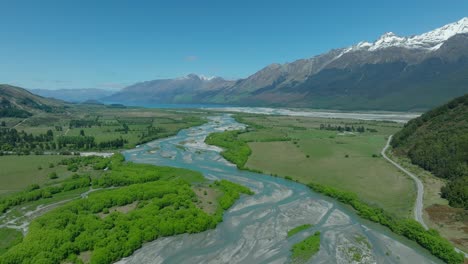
(235, 132)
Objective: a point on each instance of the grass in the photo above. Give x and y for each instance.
(18, 172)
(348, 161)
(454, 226)
(111, 122)
(298, 229)
(304, 250)
(8, 238)
(149, 202)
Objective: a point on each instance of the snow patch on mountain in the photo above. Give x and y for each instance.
(197, 76)
(430, 41)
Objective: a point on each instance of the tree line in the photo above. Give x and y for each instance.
(409, 228)
(165, 206)
(438, 142)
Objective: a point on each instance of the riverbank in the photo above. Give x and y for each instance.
(437, 245)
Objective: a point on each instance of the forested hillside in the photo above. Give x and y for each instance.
(438, 141)
(18, 102)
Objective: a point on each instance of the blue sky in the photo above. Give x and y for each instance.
(111, 44)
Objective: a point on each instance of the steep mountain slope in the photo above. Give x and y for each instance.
(191, 88)
(392, 73)
(73, 95)
(18, 102)
(438, 141)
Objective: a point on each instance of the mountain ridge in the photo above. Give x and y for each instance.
(392, 73)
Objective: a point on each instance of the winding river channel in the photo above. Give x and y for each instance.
(255, 229)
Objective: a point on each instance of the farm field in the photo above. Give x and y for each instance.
(106, 124)
(298, 148)
(18, 172)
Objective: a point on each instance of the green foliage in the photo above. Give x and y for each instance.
(14, 112)
(438, 141)
(76, 142)
(304, 250)
(34, 192)
(231, 192)
(298, 229)
(53, 175)
(409, 228)
(235, 150)
(165, 206)
(9, 238)
(22, 142)
(456, 191)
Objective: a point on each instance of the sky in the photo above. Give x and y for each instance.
(67, 44)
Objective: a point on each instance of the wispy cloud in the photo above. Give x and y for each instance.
(191, 58)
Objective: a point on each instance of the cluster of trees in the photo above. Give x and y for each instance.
(8, 110)
(83, 142)
(304, 250)
(125, 128)
(35, 192)
(76, 142)
(438, 142)
(20, 141)
(152, 133)
(429, 239)
(113, 143)
(33, 104)
(456, 192)
(83, 123)
(235, 150)
(360, 129)
(166, 205)
(231, 192)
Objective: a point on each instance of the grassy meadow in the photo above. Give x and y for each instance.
(18, 172)
(134, 125)
(298, 148)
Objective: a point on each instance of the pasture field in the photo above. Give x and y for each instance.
(298, 148)
(18, 172)
(134, 125)
(451, 223)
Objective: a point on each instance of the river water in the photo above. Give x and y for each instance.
(255, 229)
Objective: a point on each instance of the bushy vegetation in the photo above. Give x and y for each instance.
(298, 229)
(159, 201)
(235, 150)
(35, 192)
(20, 141)
(14, 112)
(8, 110)
(347, 128)
(429, 239)
(438, 142)
(10, 238)
(304, 250)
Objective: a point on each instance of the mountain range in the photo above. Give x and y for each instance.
(74, 95)
(392, 73)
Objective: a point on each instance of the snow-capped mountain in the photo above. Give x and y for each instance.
(392, 73)
(431, 40)
(181, 90)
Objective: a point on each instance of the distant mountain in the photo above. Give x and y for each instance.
(18, 102)
(188, 89)
(392, 73)
(438, 141)
(73, 95)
